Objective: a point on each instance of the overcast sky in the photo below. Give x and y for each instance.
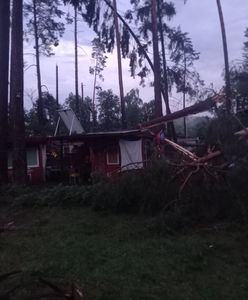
(198, 17)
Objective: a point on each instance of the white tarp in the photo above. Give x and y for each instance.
(71, 121)
(131, 154)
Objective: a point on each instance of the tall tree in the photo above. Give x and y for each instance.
(77, 7)
(76, 57)
(98, 54)
(156, 61)
(165, 9)
(118, 47)
(16, 96)
(226, 59)
(43, 26)
(4, 79)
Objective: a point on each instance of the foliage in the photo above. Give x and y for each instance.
(33, 127)
(50, 196)
(239, 79)
(98, 54)
(154, 191)
(85, 108)
(109, 110)
(49, 30)
(148, 111)
(133, 107)
(246, 47)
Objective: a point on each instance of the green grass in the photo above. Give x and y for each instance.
(124, 257)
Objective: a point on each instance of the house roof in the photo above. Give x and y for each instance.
(133, 133)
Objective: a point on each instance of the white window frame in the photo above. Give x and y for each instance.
(30, 166)
(37, 158)
(118, 158)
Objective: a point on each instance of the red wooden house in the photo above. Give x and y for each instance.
(36, 160)
(78, 156)
(75, 158)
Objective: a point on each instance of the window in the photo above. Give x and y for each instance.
(113, 155)
(32, 158)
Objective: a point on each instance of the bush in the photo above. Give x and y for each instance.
(151, 192)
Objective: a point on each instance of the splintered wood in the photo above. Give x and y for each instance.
(190, 164)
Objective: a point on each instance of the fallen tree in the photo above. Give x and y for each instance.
(191, 110)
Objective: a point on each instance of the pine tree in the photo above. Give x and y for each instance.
(43, 26)
(226, 59)
(4, 76)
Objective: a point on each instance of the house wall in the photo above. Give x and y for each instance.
(99, 158)
(36, 173)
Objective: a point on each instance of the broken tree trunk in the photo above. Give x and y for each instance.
(193, 109)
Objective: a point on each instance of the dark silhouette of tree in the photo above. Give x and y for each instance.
(246, 49)
(133, 108)
(85, 116)
(76, 58)
(16, 96)
(239, 80)
(33, 126)
(4, 74)
(226, 59)
(43, 26)
(148, 111)
(156, 60)
(109, 111)
(118, 47)
(98, 53)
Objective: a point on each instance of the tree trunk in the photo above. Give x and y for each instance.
(16, 96)
(118, 46)
(76, 60)
(190, 110)
(184, 96)
(57, 86)
(164, 85)
(141, 48)
(4, 84)
(156, 62)
(94, 100)
(37, 57)
(225, 49)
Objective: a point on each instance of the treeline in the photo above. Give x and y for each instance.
(105, 117)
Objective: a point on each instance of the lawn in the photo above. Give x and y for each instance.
(123, 257)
